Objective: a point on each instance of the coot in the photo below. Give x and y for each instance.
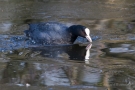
(56, 33)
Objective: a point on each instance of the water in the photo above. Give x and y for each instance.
(107, 63)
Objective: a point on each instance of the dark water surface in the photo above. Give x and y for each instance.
(107, 63)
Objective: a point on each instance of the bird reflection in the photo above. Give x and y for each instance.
(74, 52)
(87, 53)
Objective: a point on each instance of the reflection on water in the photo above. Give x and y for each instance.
(73, 52)
(121, 50)
(108, 63)
(120, 68)
(25, 67)
(41, 74)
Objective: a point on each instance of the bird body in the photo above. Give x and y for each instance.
(55, 33)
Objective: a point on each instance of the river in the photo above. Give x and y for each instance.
(62, 67)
